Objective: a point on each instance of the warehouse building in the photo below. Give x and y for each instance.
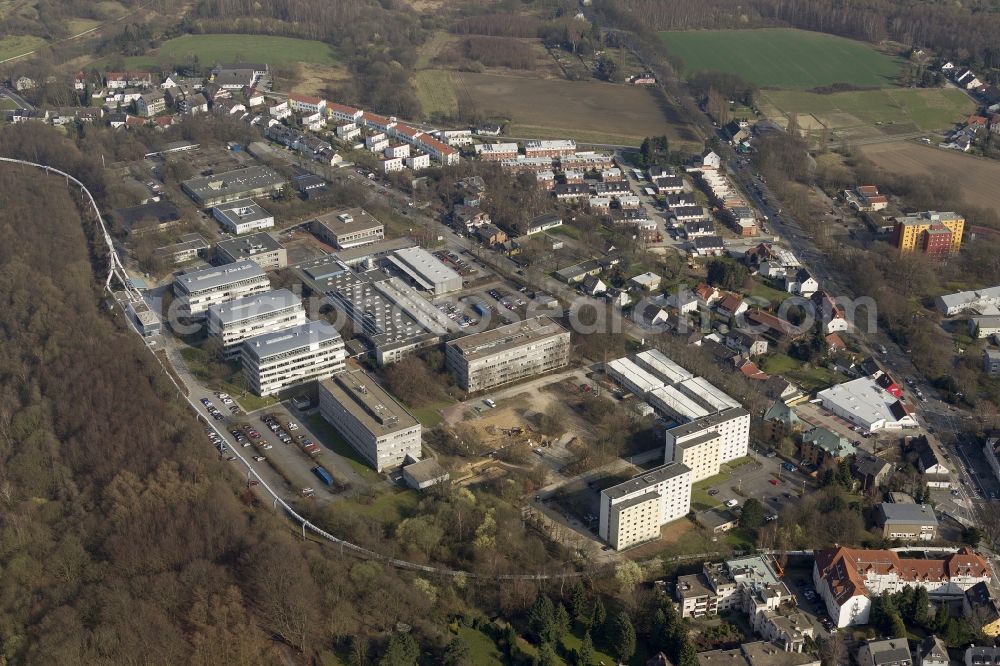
(656, 362)
(216, 189)
(672, 402)
(708, 394)
(632, 378)
(274, 361)
(198, 290)
(345, 229)
(507, 354)
(866, 404)
(370, 419)
(732, 425)
(261, 248)
(235, 321)
(425, 271)
(242, 216)
(634, 511)
(389, 316)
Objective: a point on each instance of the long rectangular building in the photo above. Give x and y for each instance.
(732, 424)
(674, 403)
(658, 363)
(235, 321)
(198, 290)
(348, 228)
(633, 512)
(709, 394)
(633, 378)
(369, 418)
(506, 354)
(252, 181)
(274, 361)
(425, 271)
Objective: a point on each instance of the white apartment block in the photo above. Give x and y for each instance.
(732, 425)
(634, 511)
(235, 321)
(196, 291)
(418, 162)
(376, 143)
(507, 353)
(277, 360)
(243, 216)
(400, 150)
(391, 164)
(306, 104)
(369, 418)
(701, 454)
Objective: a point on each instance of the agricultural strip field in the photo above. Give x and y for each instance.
(16, 45)
(276, 51)
(588, 111)
(435, 92)
(869, 113)
(783, 58)
(975, 178)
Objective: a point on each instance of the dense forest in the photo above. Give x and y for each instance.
(966, 31)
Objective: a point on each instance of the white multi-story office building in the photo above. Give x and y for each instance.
(370, 419)
(243, 216)
(274, 361)
(732, 425)
(235, 321)
(198, 290)
(633, 512)
(508, 353)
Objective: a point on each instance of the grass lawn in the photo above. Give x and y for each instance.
(894, 110)
(332, 440)
(773, 296)
(436, 93)
(571, 643)
(779, 364)
(810, 379)
(388, 507)
(16, 45)
(430, 416)
(565, 230)
(783, 58)
(275, 51)
(482, 649)
(739, 539)
(205, 371)
(7, 104)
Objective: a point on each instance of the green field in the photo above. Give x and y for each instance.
(892, 110)
(783, 58)
(16, 45)
(275, 51)
(435, 92)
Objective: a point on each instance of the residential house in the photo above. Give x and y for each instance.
(907, 521)
(891, 652)
(834, 343)
(467, 218)
(801, 283)
(982, 655)
(707, 295)
(680, 302)
(820, 444)
(151, 103)
(731, 305)
(930, 462)
(646, 282)
(779, 388)
(932, 652)
(490, 234)
(980, 609)
(991, 362)
(871, 472)
(832, 316)
(779, 422)
(709, 246)
(593, 286)
(745, 343)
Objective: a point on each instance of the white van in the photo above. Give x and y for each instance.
(489, 403)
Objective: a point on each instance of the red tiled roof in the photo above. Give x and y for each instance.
(341, 108)
(433, 144)
(835, 341)
(868, 189)
(305, 99)
(731, 302)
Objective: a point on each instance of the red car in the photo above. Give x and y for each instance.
(774, 482)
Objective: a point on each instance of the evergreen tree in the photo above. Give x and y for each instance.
(941, 618)
(510, 641)
(562, 622)
(402, 650)
(457, 654)
(658, 632)
(547, 655)
(623, 637)
(598, 617)
(578, 604)
(688, 655)
(921, 607)
(585, 655)
(898, 627)
(541, 618)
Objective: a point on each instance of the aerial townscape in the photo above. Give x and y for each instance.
(530, 332)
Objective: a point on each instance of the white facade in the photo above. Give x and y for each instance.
(277, 360)
(701, 454)
(198, 290)
(866, 404)
(243, 216)
(732, 424)
(418, 162)
(244, 318)
(391, 164)
(634, 511)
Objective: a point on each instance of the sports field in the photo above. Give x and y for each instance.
(276, 51)
(588, 111)
(869, 113)
(783, 57)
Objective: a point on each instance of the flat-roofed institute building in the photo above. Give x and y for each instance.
(253, 181)
(274, 361)
(506, 354)
(145, 319)
(236, 321)
(242, 216)
(260, 248)
(378, 427)
(425, 271)
(633, 512)
(731, 424)
(347, 228)
(198, 290)
(907, 521)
